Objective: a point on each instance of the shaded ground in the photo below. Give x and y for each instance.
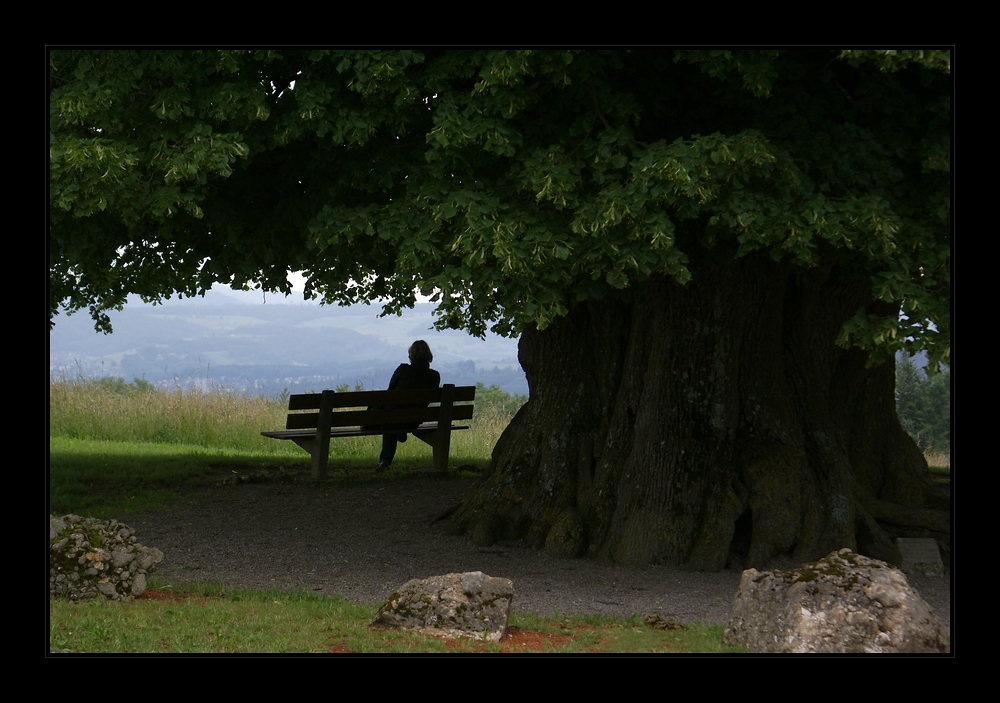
(362, 541)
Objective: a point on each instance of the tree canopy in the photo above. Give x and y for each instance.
(510, 185)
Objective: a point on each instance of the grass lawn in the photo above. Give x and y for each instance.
(210, 619)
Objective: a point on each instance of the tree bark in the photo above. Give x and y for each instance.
(704, 425)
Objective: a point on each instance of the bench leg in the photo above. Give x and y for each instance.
(440, 441)
(319, 464)
(319, 457)
(441, 451)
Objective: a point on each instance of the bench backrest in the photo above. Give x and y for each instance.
(387, 407)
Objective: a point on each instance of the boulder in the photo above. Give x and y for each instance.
(467, 605)
(91, 558)
(844, 602)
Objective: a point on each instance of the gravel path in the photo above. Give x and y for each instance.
(361, 541)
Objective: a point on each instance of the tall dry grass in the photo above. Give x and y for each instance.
(217, 418)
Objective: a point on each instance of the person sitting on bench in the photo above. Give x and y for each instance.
(417, 374)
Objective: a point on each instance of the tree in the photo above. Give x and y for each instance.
(710, 256)
(924, 405)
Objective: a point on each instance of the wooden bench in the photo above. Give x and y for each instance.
(314, 418)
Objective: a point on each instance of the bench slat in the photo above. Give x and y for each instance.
(389, 416)
(356, 399)
(350, 432)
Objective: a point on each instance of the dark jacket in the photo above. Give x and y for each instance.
(419, 374)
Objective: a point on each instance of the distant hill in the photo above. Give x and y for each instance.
(248, 342)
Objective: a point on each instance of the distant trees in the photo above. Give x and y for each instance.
(118, 385)
(498, 400)
(923, 404)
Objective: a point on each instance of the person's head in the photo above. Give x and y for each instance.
(419, 351)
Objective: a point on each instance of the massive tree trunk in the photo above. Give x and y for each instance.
(705, 425)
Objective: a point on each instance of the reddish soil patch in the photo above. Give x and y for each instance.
(153, 594)
(517, 640)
